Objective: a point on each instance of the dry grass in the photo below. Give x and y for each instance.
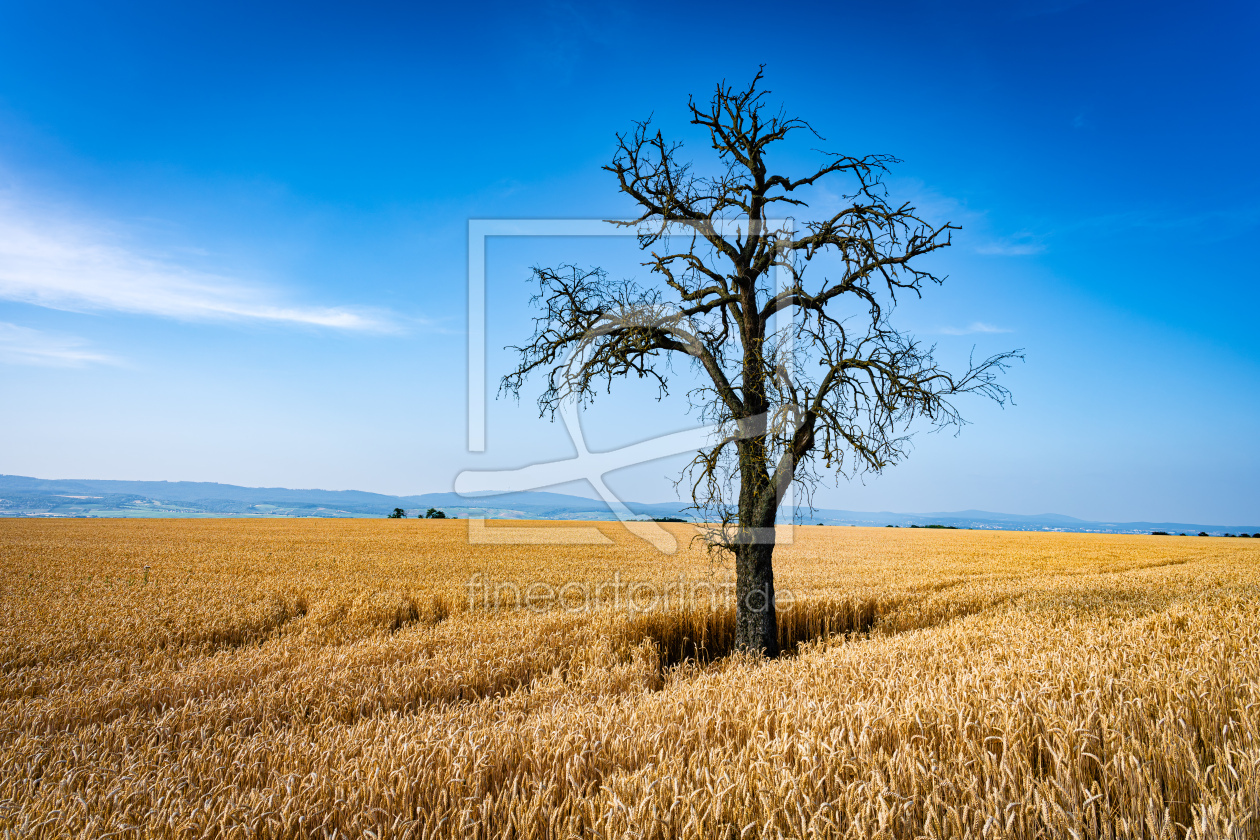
(328, 678)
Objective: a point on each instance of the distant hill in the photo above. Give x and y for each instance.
(24, 496)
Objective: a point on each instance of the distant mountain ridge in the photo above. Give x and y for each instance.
(26, 496)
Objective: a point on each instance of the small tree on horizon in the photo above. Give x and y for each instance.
(837, 386)
(398, 513)
(434, 513)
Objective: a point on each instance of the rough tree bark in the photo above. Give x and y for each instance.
(792, 374)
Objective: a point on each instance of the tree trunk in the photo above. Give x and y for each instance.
(756, 626)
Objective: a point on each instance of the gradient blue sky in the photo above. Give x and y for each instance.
(232, 236)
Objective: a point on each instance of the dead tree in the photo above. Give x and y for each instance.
(799, 378)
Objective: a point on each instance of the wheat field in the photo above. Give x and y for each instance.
(314, 678)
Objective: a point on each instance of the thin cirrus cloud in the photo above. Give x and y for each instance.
(26, 346)
(1021, 245)
(980, 235)
(69, 265)
(973, 328)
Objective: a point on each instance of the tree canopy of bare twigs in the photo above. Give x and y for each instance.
(802, 372)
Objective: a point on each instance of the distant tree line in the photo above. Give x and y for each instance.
(1202, 534)
(431, 513)
(942, 527)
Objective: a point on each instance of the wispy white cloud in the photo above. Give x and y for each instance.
(1019, 245)
(973, 328)
(1207, 226)
(64, 263)
(984, 233)
(26, 346)
(978, 233)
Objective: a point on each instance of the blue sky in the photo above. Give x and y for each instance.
(233, 236)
